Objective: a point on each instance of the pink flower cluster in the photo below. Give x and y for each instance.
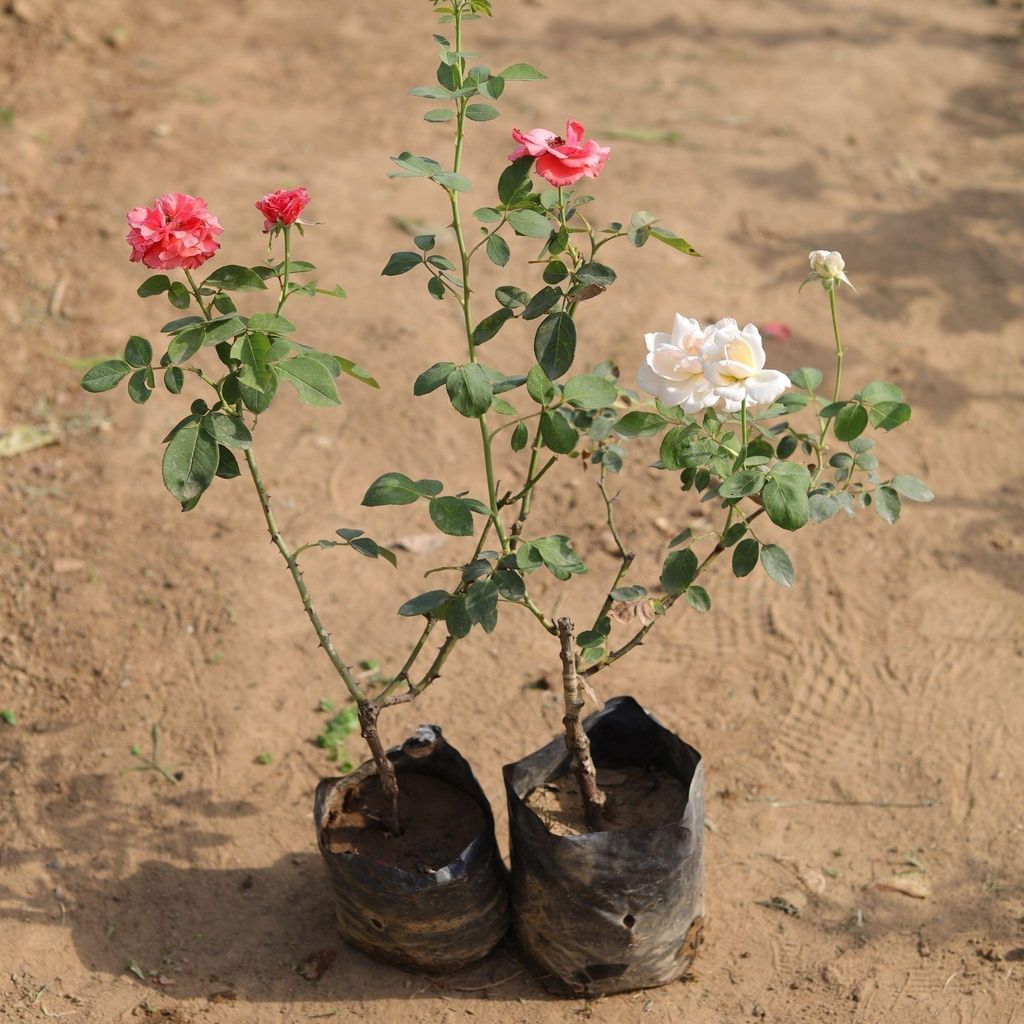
(178, 231)
(561, 161)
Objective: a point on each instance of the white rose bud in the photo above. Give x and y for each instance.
(826, 264)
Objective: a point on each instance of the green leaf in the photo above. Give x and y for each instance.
(106, 375)
(889, 415)
(138, 351)
(595, 274)
(850, 422)
(174, 379)
(490, 325)
(511, 297)
(186, 344)
(554, 272)
(350, 369)
(744, 557)
(698, 599)
(822, 506)
(427, 92)
(139, 386)
(557, 432)
(439, 115)
(233, 278)
(640, 424)
(675, 446)
(888, 504)
(228, 430)
(554, 344)
(521, 73)
(539, 388)
(481, 112)
(877, 391)
(741, 484)
(452, 516)
(401, 263)
(311, 379)
(555, 553)
(785, 495)
(520, 437)
(270, 323)
(912, 488)
(590, 392)
(673, 241)
(492, 87)
(436, 287)
(179, 296)
(497, 250)
(432, 378)
(452, 181)
(218, 332)
(155, 285)
(679, 571)
(510, 584)
(482, 604)
(628, 593)
(487, 214)
(777, 564)
(227, 467)
(530, 223)
(541, 302)
(190, 463)
(257, 383)
(469, 390)
(398, 489)
(515, 180)
(806, 377)
(425, 242)
(424, 604)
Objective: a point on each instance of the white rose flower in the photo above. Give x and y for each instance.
(733, 364)
(673, 371)
(826, 264)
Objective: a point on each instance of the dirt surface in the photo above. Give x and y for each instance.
(439, 821)
(865, 725)
(634, 798)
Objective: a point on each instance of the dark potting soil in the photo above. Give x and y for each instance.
(634, 798)
(439, 822)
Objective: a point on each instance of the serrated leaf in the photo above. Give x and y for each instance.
(490, 325)
(138, 351)
(432, 378)
(497, 250)
(439, 115)
(640, 424)
(889, 415)
(469, 390)
(106, 375)
(424, 604)
(679, 571)
(451, 515)
(398, 489)
(554, 344)
(482, 604)
(189, 463)
(850, 422)
(557, 432)
(227, 430)
(521, 73)
(785, 495)
(515, 180)
(139, 388)
(741, 484)
(744, 557)
(520, 437)
(806, 377)
(401, 263)
(481, 112)
(888, 504)
(234, 278)
(311, 379)
(529, 223)
(912, 488)
(698, 599)
(778, 565)
(270, 323)
(186, 344)
(155, 285)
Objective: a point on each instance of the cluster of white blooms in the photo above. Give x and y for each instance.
(720, 367)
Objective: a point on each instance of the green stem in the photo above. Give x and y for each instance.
(195, 291)
(287, 261)
(464, 256)
(839, 358)
(743, 433)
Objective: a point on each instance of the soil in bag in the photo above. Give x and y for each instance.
(433, 898)
(619, 909)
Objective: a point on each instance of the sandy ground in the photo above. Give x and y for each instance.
(892, 132)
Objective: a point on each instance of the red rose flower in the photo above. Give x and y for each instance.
(176, 231)
(561, 161)
(282, 206)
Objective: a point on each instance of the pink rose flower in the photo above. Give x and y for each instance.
(561, 161)
(282, 206)
(176, 231)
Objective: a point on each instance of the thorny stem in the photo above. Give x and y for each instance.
(839, 358)
(575, 738)
(287, 259)
(464, 256)
(626, 556)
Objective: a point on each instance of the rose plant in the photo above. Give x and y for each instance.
(758, 445)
